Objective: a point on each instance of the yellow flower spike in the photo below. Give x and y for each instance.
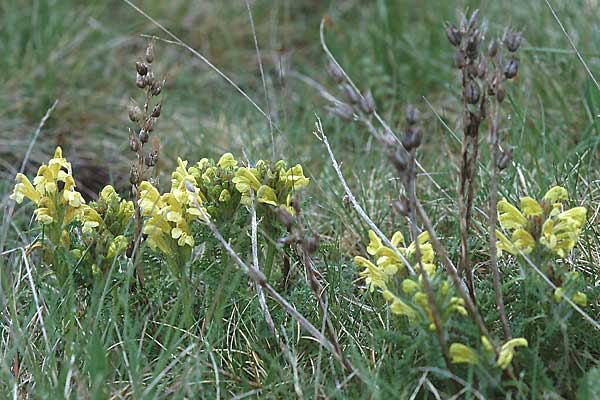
(266, 194)
(23, 189)
(523, 241)
(374, 243)
(461, 354)
(487, 346)
(399, 307)
(227, 161)
(580, 299)
(45, 180)
(530, 207)
(507, 351)
(60, 161)
(556, 194)
(509, 216)
(374, 276)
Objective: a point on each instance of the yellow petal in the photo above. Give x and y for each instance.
(530, 207)
(459, 353)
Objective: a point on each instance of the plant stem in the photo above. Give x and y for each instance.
(271, 249)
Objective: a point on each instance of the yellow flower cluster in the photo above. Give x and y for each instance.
(388, 269)
(543, 223)
(169, 215)
(462, 354)
(53, 192)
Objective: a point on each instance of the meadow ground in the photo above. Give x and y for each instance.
(98, 335)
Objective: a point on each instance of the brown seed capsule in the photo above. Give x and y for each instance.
(133, 144)
(135, 113)
(511, 68)
(140, 81)
(335, 71)
(156, 88)
(472, 92)
(150, 159)
(399, 160)
(474, 19)
(482, 68)
(473, 42)
(150, 53)
(500, 94)
(342, 111)
(493, 48)
(505, 159)
(150, 124)
(453, 34)
(411, 114)
(285, 218)
(141, 68)
(367, 102)
(512, 41)
(143, 136)
(459, 59)
(311, 244)
(134, 176)
(350, 94)
(156, 111)
(402, 205)
(412, 138)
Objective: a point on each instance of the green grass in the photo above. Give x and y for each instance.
(107, 341)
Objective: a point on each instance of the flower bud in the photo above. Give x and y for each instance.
(135, 113)
(512, 41)
(143, 136)
(453, 34)
(367, 102)
(472, 92)
(336, 73)
(156, 111)
(141, 68)
(511, 68)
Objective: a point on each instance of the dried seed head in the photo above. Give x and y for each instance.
(285, 218)
(134, 176)
(134, 145)
(140, 81)
(504, 159)
(156, 87)
(411, 114)
(150, 124)
(296, 203)
(141, 68)
(474, 19)
(493, 48)
(143, 136)
(350, 93)
(150, 52)
(135, 113)
(342, 111)
(472, 92)
(482, 68)
(412, 138)
(453, 34)
(473, 42)
(402, 205)
(156, 111)
(511, 68)
(493, 86)
(367, 102)
(335, 71)
(459, 59)
(512, 41)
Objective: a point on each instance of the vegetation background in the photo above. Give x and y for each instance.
(82, 54)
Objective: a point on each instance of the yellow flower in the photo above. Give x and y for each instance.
(530, 207)
(117, 246)
(150, 199)
(23, 189)
(409, 286)
(375, 242)
(510, 217)
(461, 354)
(90, 218)
(556, 194)
(374, 275)
(507, 351)
(244, 180)
(266, 195)
(224, 196)
(399, 307)
(227, 161)
(487, 346)
(107, 193)
(294, 177)
(580, 299)
(560, 233)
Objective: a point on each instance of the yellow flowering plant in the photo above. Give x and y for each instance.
(406, 294)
